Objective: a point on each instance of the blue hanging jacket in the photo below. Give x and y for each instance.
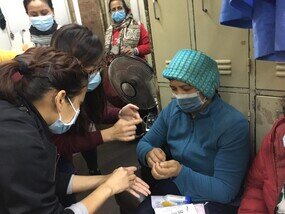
(268, 23)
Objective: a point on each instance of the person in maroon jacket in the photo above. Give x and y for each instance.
(84, 136)
(264, 191)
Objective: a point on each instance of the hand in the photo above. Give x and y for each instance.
(127, 51)
(129, 112)
(156, 155)
(139, 186)
(124, 130)
(121, 179)
(166, 169)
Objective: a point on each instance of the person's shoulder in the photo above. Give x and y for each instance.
(16, 117)
(228, 109)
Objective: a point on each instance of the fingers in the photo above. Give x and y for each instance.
(156, 175)
(160, 154)
(141, 189)
(131, 169)
(160, 170)
(157, 155)
(150, 162)
(133, 193)
(132, 106)
(142, 186)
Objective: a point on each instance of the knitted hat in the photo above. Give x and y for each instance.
(194, 68)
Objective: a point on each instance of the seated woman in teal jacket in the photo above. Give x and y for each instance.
(207, 139)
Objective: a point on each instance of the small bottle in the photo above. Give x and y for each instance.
(178, 199)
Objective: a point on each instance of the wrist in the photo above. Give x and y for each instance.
(107, 135)
(107, 189)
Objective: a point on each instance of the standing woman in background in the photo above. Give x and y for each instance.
(41, 92)
(125, 36)
(43, 25)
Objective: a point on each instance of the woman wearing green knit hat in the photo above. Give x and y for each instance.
(198, 145)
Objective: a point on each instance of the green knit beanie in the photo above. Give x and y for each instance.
(194, 68)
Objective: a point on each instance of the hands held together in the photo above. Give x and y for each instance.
(160, 168)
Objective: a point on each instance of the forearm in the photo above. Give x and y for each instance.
(85, 183)
(95, 200)
(206, 188)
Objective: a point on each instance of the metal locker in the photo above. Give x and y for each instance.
(239, 101)
(268, 109)
(165, 94)
(270, 75)
(170, 27)
(228, 46)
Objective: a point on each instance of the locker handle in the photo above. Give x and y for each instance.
(280, 74)
(203, 7)
(154, 9)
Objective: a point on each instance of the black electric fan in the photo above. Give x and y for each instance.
(133, 80)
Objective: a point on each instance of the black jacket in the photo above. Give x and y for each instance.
(28, 179)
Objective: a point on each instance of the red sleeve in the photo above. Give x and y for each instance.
(144, 44)
(69, 143)
(110, 116)
(253, 200)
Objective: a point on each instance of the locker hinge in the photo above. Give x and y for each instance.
(249, 63)
(248, 116)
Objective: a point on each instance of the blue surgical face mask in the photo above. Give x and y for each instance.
(93, 81)
(190, 102)
(42, 23)
(119, 16)
(59, 127)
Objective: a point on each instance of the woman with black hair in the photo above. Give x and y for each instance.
(41, 92)
(84, 136)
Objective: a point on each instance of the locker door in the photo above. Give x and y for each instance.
(268, 109)
(239, 101)
(227, 45)
(165, 94)
(268, 73)
(170, 30)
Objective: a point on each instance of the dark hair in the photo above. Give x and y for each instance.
(27, 2)
(86, 46)
(39, 70)
(78, 41)
(127, 9)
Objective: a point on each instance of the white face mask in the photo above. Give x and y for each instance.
(42, 23)
(190, 102)
(60, 127)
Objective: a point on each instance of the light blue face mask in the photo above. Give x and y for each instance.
(119, 16)
(189, 102)
(93, 81)
(42, 23)
(59, 127)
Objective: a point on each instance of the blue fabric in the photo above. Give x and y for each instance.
(244, 6)
(230, 16)
(268, 23)
(213, 149)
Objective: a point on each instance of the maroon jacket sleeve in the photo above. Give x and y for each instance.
(144, 44)
(69, 143)
(110, 116)
(253, 200)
